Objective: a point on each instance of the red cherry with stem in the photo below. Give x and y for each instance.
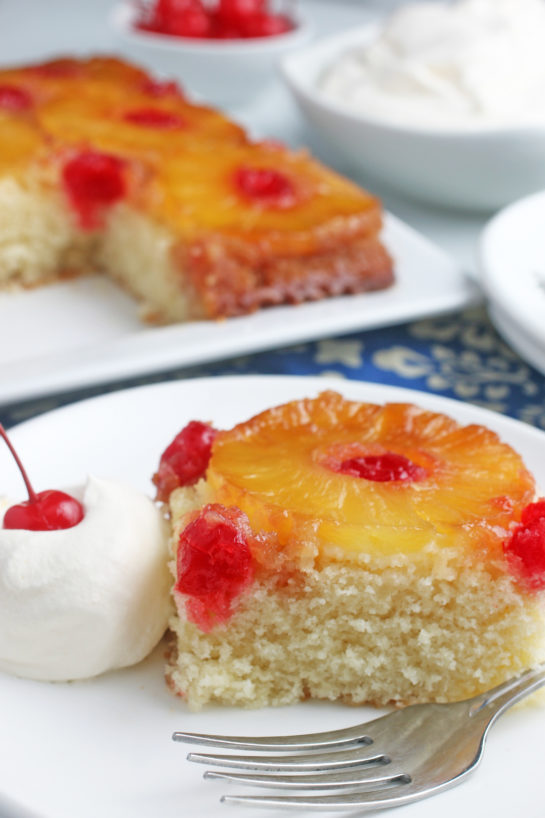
(43, 511)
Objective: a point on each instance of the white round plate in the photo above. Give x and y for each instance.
(517, 338)
(102, 748)
(512, 260)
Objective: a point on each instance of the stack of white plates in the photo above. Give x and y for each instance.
(513, 276)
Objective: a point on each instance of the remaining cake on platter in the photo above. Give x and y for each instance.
(103, 167)
(348, 551)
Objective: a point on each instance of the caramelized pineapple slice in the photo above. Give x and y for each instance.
(351, 478)
(276, 200)
(116, 107)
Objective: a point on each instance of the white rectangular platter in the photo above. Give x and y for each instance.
(84, 332)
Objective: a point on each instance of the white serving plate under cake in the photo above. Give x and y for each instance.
(83, 332)
(102, 748)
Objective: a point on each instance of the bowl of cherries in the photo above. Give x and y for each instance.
(224, 52)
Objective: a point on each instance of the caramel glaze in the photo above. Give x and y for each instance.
(229, 284)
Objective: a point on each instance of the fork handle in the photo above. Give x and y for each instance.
(497, 700)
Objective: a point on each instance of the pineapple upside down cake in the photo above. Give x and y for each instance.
(341, 550)
(103, 167)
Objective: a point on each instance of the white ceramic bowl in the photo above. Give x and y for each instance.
(221, 72)
(478, 169)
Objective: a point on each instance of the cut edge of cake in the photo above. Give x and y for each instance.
(353, 633)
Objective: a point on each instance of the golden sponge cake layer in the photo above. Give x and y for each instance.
(396, 629)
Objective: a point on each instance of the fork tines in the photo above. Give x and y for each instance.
(396, 759)
(347, 736)
(352, 764)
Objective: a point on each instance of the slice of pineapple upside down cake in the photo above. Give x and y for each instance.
(341, 550)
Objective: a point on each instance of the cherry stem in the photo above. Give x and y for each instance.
(31, 493)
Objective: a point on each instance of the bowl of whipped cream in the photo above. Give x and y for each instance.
(443, 101)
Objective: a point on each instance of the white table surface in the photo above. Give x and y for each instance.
(36, 29)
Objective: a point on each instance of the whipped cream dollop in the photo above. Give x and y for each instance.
(78, 602)
(463, 64)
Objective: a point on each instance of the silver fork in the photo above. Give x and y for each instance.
(402, 757)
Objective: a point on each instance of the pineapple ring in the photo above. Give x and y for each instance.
(276, 467)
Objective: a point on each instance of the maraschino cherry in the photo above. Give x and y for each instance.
(186, 459)
(49, 510)
(214, 563)
(265, 186)
(213, 19)
(383, 468)
(525, 547)
(93, 182)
